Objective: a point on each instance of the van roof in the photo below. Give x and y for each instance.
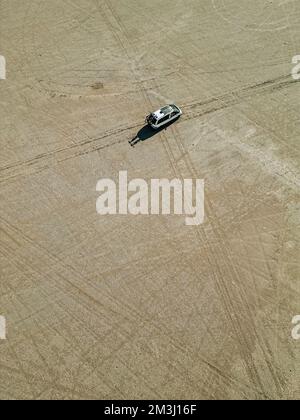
(166, 110)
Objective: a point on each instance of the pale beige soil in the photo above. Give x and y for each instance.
(144, 307)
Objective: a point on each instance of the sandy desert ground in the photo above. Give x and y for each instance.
(144, 307)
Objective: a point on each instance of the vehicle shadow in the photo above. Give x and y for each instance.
(147, 132)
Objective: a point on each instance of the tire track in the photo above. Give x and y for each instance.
(225, 293)
(177, 173)
(227, 100)
(230, 299)
(228, 294)
(90, 302)
(46, 160)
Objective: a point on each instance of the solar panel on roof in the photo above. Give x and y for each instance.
(166, 110)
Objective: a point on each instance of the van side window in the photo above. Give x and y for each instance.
(164, 119)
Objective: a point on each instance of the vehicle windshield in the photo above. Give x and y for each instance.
(152, 119)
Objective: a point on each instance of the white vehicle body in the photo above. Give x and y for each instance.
(163, 116)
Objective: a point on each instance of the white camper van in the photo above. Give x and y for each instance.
(163, 116)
